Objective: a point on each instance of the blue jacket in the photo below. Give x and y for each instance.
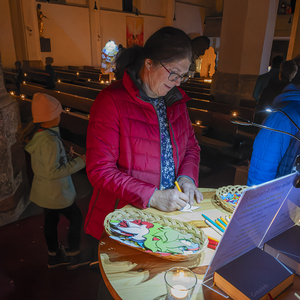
(274, 153)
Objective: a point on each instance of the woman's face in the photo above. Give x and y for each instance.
(156, 78)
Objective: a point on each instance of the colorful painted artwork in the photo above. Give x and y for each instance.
(134, 31)
(109, 53)
(153, 237)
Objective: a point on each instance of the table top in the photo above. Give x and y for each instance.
(129, 273)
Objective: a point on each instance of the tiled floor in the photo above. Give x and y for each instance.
(23, 253)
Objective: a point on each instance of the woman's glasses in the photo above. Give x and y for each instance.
(174, 76)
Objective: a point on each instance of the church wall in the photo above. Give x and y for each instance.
(153, 7)
(113, 26)
(190, 19)
(7, 47)
(111, 4)
(69, 32)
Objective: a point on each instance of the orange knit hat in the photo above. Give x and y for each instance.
(44, 108)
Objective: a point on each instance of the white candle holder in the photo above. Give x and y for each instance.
(180, 283)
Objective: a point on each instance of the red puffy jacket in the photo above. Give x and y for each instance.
(123, 148)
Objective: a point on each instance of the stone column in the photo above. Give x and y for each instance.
(170, 12)
(13, 179)
(95, 33)
(294, 44)
(30, 21)
(245, 47)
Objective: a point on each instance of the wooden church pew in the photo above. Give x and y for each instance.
(67, 100)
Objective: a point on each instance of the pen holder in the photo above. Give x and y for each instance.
(180, 283)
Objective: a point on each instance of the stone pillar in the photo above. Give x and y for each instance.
(245, 47)
(13, 179)
(95, 33)
(294, 44)
(30, 21)
(170, 13)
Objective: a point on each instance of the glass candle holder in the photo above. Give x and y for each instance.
(180, 283)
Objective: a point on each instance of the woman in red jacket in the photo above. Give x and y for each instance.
(140, 138)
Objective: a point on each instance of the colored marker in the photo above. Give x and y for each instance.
(212, 242)
(211, 246)
(222, 222)
(213, 227)
(213, 239)
(211, 221)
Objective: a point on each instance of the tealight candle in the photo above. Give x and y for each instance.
(179, 291)
(180, 283)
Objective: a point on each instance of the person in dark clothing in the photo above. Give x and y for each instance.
(297, 77)
(19, 76)
(50, 84)
(274, 153)
(264, 79)
(287, 72)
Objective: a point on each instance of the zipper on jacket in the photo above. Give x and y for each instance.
(160, 179)
(177, 156)
(116, 204)
(159, 138)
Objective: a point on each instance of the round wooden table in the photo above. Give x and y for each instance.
(130, 274)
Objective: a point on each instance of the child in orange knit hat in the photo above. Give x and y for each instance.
(52, 186)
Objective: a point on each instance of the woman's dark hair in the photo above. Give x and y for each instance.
(165, 45)
(28, 133)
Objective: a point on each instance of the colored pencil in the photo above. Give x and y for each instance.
(224, 221)
(213, 227)
(213, 239)
(227, 219)
(220, 224)
(178, 187)
(212, 222)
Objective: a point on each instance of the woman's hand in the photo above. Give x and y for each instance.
(190, 190)
(168, 200)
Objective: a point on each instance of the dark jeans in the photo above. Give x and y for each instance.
(73, 214)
